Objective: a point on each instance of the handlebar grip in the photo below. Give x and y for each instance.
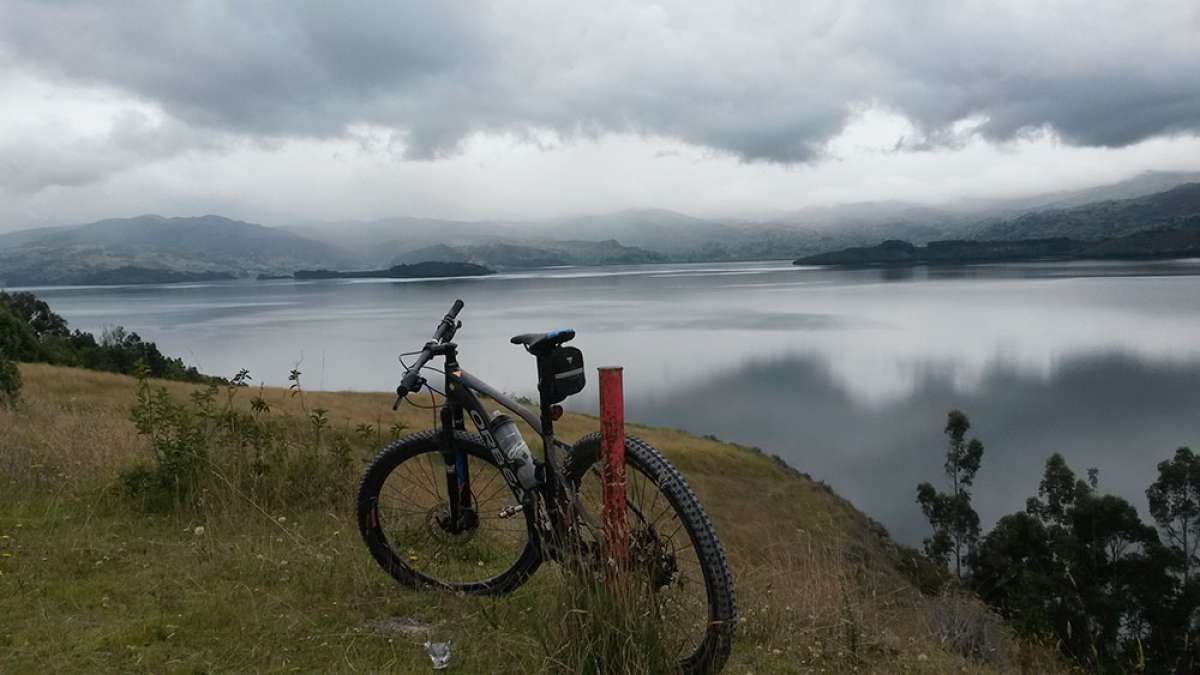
(409, 381)
(445, 329)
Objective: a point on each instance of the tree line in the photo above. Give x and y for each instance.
(30, 331)
(1078, 567)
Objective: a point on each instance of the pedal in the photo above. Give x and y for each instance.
(509, 512)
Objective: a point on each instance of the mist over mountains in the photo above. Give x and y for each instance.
(152, 248)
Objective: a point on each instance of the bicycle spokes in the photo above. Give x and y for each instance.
(661, 562)
(448, 530)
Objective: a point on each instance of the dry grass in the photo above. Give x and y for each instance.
(88, 583)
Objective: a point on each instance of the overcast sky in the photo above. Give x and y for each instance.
(293, 111)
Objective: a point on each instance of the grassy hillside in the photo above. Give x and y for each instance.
(147, 244)
(1177, 207)
(90, 581)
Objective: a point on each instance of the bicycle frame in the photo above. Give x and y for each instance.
(461, 392)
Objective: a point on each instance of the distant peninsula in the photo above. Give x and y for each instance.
(1157, 243)
(421, 270)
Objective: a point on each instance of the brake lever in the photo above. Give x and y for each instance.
(403, 391)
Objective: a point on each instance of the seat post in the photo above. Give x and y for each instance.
(543, 406)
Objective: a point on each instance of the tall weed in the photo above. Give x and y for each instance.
(217, 449)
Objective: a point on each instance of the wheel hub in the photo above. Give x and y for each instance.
(443, 527)
(650, 554)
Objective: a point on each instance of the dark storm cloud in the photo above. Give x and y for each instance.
(301, 68)
(763, 82)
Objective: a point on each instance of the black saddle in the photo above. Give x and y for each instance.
(540, 343)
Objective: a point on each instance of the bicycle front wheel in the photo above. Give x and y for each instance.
(672, 548)
(404, 517)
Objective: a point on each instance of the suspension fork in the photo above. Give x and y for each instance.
(458, 477)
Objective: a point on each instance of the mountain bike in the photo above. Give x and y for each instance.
(475, 513)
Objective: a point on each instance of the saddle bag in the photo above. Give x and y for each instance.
(562, 374)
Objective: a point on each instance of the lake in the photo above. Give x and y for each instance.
(846, 374)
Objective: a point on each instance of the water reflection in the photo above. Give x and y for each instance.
(1114, 411)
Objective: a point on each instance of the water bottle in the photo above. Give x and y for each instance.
(512, 444)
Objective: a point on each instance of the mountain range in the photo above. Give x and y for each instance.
(153, 248)
(1165, 224)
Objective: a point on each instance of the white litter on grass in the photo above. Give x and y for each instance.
(439, 653)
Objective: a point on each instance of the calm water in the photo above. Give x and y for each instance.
(846, 374)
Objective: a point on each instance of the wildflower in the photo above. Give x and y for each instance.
(282, 519)
(199, 531)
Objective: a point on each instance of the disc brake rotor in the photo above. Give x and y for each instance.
(651, 555)
(437, 521)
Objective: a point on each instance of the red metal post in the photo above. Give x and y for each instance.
(612, 446)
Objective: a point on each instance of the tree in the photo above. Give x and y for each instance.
(17, 340)
(1058, 491)
(1082, 567)
(35, 312)
(1016, 572)
(954, 521)
(1175, 505)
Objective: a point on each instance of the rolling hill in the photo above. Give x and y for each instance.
(503, 255)
(157, 248)
(1100, 220)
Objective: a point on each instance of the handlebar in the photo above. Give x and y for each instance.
(444, 333)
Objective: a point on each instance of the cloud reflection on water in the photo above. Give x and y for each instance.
(1115, 411)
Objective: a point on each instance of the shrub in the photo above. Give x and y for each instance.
(178, 437)
(10, 382)
(215, 446)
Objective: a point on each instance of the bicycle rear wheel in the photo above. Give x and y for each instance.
(672, 547)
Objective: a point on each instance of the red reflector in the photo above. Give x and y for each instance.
(556, 412)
